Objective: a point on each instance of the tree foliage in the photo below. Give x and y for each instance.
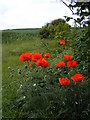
(56, 29)
(82, 11)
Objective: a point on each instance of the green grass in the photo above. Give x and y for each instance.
(28, 30)
(11, 51)
(16, 42)
(18, 35)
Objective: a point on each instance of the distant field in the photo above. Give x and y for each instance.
(16, 34)
(28, 30)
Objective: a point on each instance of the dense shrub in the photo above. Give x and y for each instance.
(56, 29)
(44, 32)
(80, 43)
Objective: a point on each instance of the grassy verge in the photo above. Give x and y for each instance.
(36, 92)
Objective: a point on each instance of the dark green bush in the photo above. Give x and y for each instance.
(80, 45)
(56, 29)
(40, 95)
(44, 32)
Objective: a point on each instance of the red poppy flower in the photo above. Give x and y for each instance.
(77, 77)
(36, 56)
(28, 56)
(30, 66)
(38, 63)
(25, 56)
(67, 57)
(47, 55)
(60, 64)
(33, 59)
(62, 42)
(42, 62)
(72, 63)
(22, 57)
(64, 81)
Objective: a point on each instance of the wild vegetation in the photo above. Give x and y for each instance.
(35, 89)
(56, 29)
(36, 92)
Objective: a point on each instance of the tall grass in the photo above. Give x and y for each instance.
(48, 98)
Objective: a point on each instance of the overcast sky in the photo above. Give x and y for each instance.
(30, 13)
